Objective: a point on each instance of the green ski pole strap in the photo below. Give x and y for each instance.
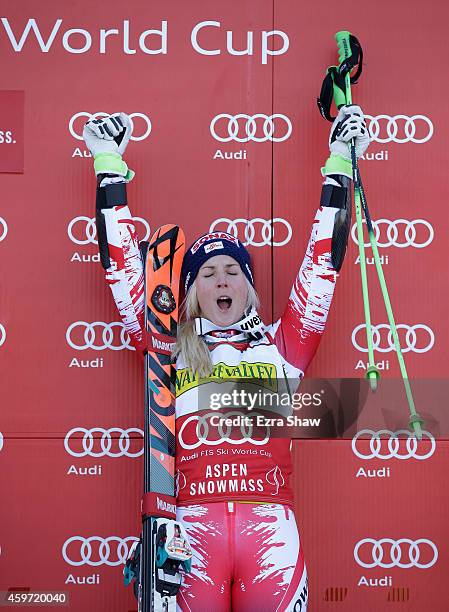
(334, 84)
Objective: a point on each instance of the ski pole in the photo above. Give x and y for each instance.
(337, 85)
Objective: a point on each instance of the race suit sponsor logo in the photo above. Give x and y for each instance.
(226, 478)
(197, 430)
(234, 478)
(265, 372)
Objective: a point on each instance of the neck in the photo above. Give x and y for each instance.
(250, 325)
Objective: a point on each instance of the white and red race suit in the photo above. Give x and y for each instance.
(234, 493)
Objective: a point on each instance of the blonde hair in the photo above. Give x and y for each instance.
(191, 347)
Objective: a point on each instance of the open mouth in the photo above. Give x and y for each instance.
(224, 303)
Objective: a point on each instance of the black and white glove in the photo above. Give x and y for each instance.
(107, 139)
(349, 124)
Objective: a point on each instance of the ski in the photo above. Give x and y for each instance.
(155, 562)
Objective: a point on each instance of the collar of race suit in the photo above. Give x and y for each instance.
(249, 327)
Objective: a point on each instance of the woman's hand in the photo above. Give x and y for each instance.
(107, 139)
(349, 124)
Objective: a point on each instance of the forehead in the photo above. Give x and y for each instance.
(218, 261)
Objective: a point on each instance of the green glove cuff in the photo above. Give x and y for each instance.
(337, 164)
(112, 163)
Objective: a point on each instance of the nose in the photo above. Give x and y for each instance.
(221, 279)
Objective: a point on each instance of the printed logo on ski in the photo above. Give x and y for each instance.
(160, 345)
(165, 506)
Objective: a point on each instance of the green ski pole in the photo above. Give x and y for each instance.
(337, 85)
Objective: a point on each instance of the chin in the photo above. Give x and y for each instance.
(226, 318)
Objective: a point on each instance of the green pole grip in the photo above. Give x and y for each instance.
(339, 96)
(344, 48)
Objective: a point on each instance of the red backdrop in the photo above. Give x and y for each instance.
(64, 362)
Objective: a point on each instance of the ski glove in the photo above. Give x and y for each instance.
(349, 124)
(107, 138)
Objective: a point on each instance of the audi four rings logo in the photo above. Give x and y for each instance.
(3, 229)
(400, 233)
(81, 118)
(82, 230)
(402, 553)
(256, 232)
(97, 551)
(109, 438)
(400, 128)
(264, 126)
(389, 447)
(98, 336)
(201, 432)
(418, 338)
(2, 334)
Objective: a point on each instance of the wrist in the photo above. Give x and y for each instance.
(110, 163)
(337, 164)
